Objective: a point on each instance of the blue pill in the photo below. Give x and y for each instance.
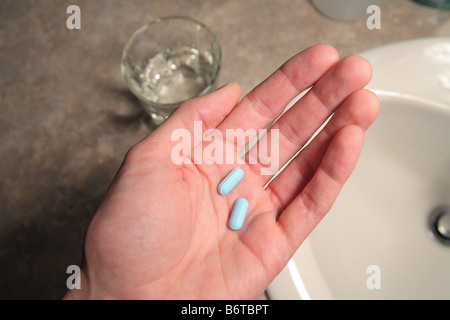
(230, 181)
(238, 214)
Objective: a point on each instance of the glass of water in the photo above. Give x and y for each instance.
(170, 60)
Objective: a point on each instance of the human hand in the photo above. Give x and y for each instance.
(162, 230)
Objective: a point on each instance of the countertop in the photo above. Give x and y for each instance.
(67, 118)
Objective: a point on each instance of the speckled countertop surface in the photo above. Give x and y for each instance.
(67, 118)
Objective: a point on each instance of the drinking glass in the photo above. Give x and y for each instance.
(170, 60)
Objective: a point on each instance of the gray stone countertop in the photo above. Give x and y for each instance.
(67, 118)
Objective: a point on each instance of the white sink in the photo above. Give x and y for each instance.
(376, 242)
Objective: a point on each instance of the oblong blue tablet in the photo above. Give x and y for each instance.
(238, 214)
(230, 181)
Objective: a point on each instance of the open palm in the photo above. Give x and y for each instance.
(162, 230)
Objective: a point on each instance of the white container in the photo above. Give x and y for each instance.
(344, 9)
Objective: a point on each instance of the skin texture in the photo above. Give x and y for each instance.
(162, 230)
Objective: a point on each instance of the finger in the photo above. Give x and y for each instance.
(201, 113)
(267, 101)
(316, 199)
(360, 109)
(299, 123)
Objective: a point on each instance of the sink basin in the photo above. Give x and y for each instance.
(376, 242)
